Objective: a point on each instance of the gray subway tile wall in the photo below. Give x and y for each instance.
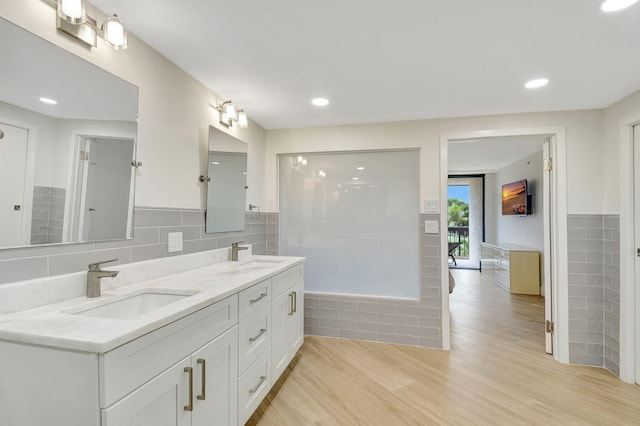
(594, 290)
(611, 252)
(47, 218)
(406, 322)
(149, 242)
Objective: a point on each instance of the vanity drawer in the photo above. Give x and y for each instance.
(284, 280)
(253, 298)
(254, 337)
(132, 364)
(253, 386)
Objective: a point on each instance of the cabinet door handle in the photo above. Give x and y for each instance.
(262, 296)
(255, 389)
(290, 304)
(190, 406)
(203, 388)
(262, 331)
(295, 302)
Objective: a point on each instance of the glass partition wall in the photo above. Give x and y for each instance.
(354, 216)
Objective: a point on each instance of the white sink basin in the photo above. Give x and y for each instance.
(131, 305)
(250, 264)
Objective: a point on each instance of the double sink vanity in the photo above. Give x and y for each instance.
(187, 340)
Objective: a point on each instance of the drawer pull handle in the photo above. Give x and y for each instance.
(262, 296)
(295, 302)
(203, 389)
(290, 304)
(262, 331)
(255, 389)
(190, 406)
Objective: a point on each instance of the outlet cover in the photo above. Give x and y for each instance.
(430, 226)
(175, 241)
(431, 206)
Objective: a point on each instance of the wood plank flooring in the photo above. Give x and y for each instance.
(495, 374)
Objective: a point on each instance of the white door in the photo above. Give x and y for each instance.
(215, 383)
(547, 258)
(636, 189)
(107, 190)
(160, 402)
(13, 163)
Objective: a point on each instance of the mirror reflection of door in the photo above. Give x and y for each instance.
(106, 185)
(13, 156)
(226, 191)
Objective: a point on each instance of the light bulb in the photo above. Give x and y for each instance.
(115, 34)
(71, 11)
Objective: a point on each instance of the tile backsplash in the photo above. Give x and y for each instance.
(150, 242)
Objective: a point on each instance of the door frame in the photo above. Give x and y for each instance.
(559, 263)
(75, 199)
(629, 294)
(29, 178)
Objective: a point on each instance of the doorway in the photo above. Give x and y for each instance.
(103, 188)
(465, 209)
(555, 230)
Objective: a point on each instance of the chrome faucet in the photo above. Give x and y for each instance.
(235, 248)
(94, 274)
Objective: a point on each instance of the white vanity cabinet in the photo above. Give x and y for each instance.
(213, 366)
(287, 318)
(197, 391)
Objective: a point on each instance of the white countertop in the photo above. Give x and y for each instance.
(49, 325)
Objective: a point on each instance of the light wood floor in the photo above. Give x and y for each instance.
(495, 374)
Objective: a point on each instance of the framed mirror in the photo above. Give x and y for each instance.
(67, 146)
(227, 182)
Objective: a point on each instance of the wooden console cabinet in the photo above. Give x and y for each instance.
(514, 268)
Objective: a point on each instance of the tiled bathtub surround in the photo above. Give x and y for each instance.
(417, 323)
(594, 290)
(47, 219)
(150, 241)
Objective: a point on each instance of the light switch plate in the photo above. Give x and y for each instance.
(175, 241)
(431, 206)
(430, 226)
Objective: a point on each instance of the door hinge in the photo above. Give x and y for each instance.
(84, 156)
(547, 164)
(549, 326)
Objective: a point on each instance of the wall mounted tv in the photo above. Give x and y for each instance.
(516, 199)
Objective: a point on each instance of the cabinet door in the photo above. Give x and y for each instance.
(215, 384)
(295, 321)
(160, 402)
(281, 308)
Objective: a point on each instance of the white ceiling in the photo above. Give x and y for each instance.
(33, 68)
(394, 60)
(489, 155)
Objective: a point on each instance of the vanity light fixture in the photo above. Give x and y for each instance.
(115, 33)
(616, 5)
(299, 160)
(229, 114)
(71, 11)
(73, 21)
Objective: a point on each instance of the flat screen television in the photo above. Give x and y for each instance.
(515, 198)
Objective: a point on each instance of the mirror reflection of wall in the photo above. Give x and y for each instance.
(226, 189)
(47, 118)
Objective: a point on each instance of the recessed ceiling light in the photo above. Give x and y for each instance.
(615, 5)
(48, 101)
(538, 82)
(320, 101)
(355, 178)
(360, 168)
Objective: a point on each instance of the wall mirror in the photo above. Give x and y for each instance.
(227, 182)
(67, 146)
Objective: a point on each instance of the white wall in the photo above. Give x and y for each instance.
(173, 118)
(583, 138)
(490, 214)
